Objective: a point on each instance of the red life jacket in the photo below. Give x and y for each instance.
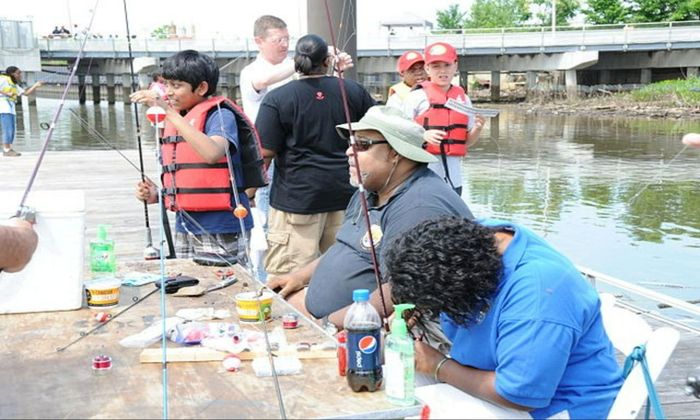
(191, 184)
(438, 117)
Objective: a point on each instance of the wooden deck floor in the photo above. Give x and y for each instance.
(109, 184)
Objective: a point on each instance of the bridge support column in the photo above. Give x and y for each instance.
(530, 82)
(495, 86)
(571, 84)
(111, 95)
(464, 80)
(31, 99)
(126, 88)
(81, 89)
(96, 97)
(692, 72)
(386, 83)
(604, 77)
(646, 76)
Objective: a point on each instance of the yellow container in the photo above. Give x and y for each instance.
(102, 293)
(249, 305)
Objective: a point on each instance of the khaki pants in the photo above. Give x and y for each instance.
(294, 240)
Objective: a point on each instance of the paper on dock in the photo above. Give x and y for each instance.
(465, 109)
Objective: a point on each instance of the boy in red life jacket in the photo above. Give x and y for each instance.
(448, 133)
(199, 129)
(411, 67)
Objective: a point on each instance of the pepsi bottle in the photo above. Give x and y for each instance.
(363, 327)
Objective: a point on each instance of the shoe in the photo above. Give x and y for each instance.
(11, 153)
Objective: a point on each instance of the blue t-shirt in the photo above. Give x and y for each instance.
(220, 122)
(543, 334)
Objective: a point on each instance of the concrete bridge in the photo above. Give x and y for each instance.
(577, 56)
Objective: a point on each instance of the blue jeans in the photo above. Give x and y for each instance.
(7, 121)
(262, 200)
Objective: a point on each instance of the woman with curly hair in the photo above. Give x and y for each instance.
(525, 326)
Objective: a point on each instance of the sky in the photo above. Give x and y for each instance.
(210, 18)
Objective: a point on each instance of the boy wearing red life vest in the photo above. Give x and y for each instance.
(203, 137)
(411, 68)
(448, 133)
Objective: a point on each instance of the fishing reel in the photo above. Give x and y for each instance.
(692, 383)
(26, 213)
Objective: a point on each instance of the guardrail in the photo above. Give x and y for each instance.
(500, 40)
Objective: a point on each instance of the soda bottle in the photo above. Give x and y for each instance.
(363, 327)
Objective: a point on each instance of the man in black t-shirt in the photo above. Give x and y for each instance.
(310, 189)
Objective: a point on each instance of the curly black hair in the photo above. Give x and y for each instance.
(449, 265)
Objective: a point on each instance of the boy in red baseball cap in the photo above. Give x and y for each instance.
(448, 133)
(411, 67)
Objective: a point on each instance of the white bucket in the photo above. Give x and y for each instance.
(53, 280)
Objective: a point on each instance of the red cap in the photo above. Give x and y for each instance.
(440, 51)
(408, 59)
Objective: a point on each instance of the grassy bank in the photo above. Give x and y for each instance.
(672, 92)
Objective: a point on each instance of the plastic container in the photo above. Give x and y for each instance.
(53, 279)
(363, 327)
(399, 357)
(249, 305)
(102, 260)
(102, 292)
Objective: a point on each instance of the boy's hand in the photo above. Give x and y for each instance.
(434, 136)
(149, 97)
(287, 283)
(147, 191)
(479, 122)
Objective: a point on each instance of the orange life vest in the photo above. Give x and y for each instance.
(191, 184)
(438, 117)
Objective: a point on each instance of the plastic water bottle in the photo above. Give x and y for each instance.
(102, 260)
(363, 327)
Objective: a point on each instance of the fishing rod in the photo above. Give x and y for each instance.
(150, 252)
(54, 120)
(358, 175)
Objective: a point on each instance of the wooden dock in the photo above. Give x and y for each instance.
(109, 185)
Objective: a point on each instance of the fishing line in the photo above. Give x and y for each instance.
(361, 188)
(658, 177)
(54, 120)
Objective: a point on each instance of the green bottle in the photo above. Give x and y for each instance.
(399, 356)
(102, 261)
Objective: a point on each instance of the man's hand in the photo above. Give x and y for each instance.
(344, 60)
(18, 241)
(427, 358)
(287, 283)
(434, 136)
(147, 191)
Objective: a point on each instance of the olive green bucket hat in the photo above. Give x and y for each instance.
(404, 136)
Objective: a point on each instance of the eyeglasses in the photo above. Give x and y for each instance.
(362, 144)
(278, 40)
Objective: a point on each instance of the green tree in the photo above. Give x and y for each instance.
(451, 18)
(655, 10)
(688, 10)
(162, 32)
(498, 13)
(602, 12)
(566, 9)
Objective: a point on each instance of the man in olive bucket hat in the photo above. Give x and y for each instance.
(402, 192)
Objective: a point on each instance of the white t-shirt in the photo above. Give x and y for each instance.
(250, 97)
(7, 105)
(417, 103)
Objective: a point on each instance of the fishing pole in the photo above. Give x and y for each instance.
(54, 120)
(150, 252)
(358, 174)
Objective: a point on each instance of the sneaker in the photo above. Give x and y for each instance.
(11, 153)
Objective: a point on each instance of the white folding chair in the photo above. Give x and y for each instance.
(627, 330)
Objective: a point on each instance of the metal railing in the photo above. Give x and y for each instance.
(494, 40)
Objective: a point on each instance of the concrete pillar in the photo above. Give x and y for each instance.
(31, 79)
(495, 86)
(342, 23)
(126, 88)
(96, 88)
(494, 128)
(464, 80)
(81, 89)
(531, 80)
(111, 94)
(571, 84)
(692, 72)
(386, 84)
(604, 77)
(646, 76)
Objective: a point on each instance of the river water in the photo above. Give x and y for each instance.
(620, 196)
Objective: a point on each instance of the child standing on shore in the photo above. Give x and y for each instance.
(448, 133)
(199, 130)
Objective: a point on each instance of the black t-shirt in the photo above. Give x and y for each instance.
(298, 121)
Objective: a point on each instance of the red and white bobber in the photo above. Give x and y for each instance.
(231, 362)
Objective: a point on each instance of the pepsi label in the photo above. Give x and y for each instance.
(363, 350)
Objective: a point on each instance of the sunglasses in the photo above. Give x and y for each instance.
(362, 144)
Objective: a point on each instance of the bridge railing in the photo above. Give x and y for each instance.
(499, 39)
